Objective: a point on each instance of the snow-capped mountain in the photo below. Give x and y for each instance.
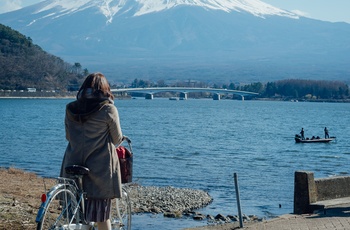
(186, 38)
(54, 9)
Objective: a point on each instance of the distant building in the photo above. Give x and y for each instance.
(31, 90)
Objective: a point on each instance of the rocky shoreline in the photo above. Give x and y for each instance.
(20, 194)
(166, 199)
(177, 203)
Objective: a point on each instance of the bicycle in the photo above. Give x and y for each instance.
(63, 206)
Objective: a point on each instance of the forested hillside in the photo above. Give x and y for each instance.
(25, 65)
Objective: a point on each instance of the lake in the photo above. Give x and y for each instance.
(196, 143)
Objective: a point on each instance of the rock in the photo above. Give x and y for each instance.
(199, 217)
(253, 217)
(210, 218)
(15, 202)
(173, 214)
(220, 217)
(245, 218)
(154, 209)
(169, 214)
(233, 218)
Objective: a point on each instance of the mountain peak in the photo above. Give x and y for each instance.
(255, 7)
(58, 8)
(194, 39)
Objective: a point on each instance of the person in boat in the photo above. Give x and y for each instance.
(326, 134)
(302, 134)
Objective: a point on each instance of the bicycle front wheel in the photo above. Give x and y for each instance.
(121, 212)
(60, 209)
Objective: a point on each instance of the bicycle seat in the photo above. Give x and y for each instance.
(77, 170)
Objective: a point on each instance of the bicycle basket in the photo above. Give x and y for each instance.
(126, 160)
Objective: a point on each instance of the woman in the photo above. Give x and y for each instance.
(92, 130)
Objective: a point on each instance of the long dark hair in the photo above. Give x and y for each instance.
(97, 85)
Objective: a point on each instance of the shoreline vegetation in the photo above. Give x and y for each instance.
(117, 97)
(293, 90)
(20, 193)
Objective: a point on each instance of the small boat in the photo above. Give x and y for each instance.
(317, 139)
(173, 98)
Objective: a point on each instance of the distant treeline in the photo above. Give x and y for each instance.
(307, 89)
(284, 89)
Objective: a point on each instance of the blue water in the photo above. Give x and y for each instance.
(197, 144)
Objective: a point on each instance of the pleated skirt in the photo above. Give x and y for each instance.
(98, 210)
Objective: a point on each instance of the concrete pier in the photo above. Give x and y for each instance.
(312, 194)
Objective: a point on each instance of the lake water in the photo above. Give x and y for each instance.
(196, 143)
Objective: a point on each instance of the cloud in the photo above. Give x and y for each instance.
(301, 13)
(10, 5)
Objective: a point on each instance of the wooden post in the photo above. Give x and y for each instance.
(238, 201)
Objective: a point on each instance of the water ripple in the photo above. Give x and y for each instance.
(197, 144)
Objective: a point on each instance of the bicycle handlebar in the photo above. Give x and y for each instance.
(125, 138)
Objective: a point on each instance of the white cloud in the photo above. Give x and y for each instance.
(10, 5)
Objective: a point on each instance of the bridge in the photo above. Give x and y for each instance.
(184, 91)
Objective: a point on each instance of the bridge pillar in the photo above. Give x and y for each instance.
(242, 97)
(216, 97)
(149, 96)
(183, 96)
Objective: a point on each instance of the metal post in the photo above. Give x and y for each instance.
(238, 201)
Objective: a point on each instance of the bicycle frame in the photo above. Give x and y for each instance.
(68, 184)
(63, 206)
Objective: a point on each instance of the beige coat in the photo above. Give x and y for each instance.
(92, 144)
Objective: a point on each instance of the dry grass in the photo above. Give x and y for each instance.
(20, 194)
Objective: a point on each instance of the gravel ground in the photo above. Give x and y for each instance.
(20, 194)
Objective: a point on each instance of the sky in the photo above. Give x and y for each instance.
(325, 10)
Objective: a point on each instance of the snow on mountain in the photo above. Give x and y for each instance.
(255, 7)
(109, 8)
(241, 39)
